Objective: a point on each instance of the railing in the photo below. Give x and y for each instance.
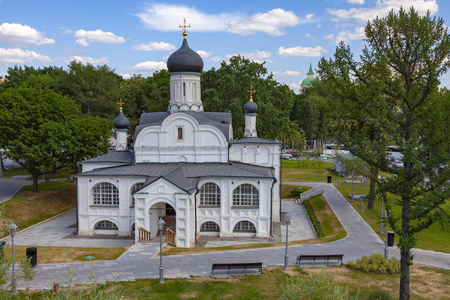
(170, 237)
(144, 235)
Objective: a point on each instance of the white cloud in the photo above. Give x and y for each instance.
(13, 56)
(310, 36)
(258, 56)
(217, 58)
(97, 36)
(22, 35)
(381, 9)
(163, 17)
(355, 1)
(203, 54)
(150, 66)
(347, 36)
(302, 51)
(271, 22)
(287, 73)
(295, 86)
(150, 46)
(329, 36)
(125, 76)
(87, 60)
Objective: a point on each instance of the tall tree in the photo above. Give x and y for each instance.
(41, 128)
(94, 88)
(225, 89)
(406, 53)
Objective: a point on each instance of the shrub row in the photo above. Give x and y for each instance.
(313, 218)
(376, 263)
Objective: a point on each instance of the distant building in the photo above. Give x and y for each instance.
(308, 81)
(184, 167)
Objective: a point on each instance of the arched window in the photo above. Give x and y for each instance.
(245, 195)
(210, 226)
(210, 194)
(244, 226)
(184, 88)
(180, 133)
(105, 193)
(134, 188)
(106, 225)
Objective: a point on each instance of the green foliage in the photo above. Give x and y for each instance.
(42, 128)
(380, 294)
(314, 287)
(27, 271)
(67, 289)
(375, 263)
(313, 217)
(225, 90)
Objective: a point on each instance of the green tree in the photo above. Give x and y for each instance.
(94, 88)
(400, 68)
(41, 128)
(225, 90)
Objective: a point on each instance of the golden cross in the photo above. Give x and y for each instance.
(251, 92)
(121, 103)
(184, 27)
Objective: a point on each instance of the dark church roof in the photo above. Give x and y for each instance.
(113, 156)
(222, 121)
(254, 140)
(185, 175)
(250, 107)
(185, 60)
(121, 122)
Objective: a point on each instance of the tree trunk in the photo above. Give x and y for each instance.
(405, 246)
(371, 199)
(47, 176)
(35, 182)
(1, 159)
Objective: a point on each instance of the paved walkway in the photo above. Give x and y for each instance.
(300, 227)
(141, 261)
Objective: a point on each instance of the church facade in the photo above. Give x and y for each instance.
(184, 165)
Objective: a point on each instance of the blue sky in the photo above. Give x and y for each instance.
(136, 37)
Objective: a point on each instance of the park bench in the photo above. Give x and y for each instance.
(236, 266)
(320, 258)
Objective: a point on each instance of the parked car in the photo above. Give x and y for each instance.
(286, 156)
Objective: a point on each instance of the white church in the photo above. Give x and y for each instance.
(184, 167)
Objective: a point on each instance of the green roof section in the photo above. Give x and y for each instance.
(308, 81)
(310, 69)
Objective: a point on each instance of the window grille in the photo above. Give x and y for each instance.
(180, 133)
(245, 226)
(105, 193)
(210, 194)
(245, 195)
(134, 188)
(209, 226)
(106, 225)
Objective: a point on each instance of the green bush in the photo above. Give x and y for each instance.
(375, 263)
(296, 193)
(380, 294)
(313, 287)
(313, 218)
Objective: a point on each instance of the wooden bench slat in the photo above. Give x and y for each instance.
(320, 257)
(236, 266)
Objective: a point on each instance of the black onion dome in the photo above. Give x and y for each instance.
(185, 60)
(250, 107)
(121, 122)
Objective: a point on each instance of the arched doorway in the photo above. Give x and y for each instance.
(167, 213)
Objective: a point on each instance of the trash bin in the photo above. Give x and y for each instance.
(32, 256)
(391, 238)
(329, 179)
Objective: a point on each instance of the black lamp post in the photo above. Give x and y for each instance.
(12, 228)
(161, 224)
(339, 173)
(287, 218)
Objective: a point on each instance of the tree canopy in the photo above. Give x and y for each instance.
(391, 97)
(41, 129)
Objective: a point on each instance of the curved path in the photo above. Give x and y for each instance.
(140, 261)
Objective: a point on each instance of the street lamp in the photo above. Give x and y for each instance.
(287, 218)
(353, 174)
(362, 196)
(339, 173)
(386, 242)
(12, 228)
(381, 223)
(161, 224)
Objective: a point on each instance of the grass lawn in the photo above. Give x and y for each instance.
(27, 208)
(270, 285)
(63, 173)
(432, 238)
